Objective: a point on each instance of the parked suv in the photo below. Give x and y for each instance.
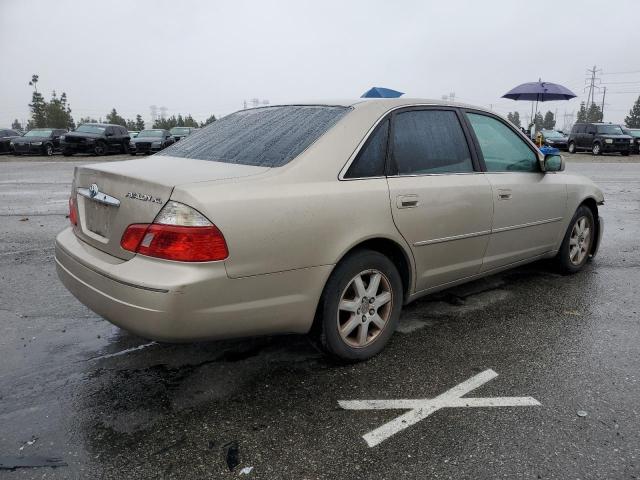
(635, 133)
(96, 138)
(599, 138)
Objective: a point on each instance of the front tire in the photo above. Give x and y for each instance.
(572, 147)
(360, 307)
(578, 241)
(596, 149)
(100, 148)
(48, 150)
(625, 154)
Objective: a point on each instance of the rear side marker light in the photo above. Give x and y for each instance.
(179, 233)
(73, 211)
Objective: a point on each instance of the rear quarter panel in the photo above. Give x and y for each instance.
(272, 226)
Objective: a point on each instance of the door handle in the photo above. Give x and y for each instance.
(504, 194)
(407, 201)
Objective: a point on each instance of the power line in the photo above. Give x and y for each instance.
(621, 73)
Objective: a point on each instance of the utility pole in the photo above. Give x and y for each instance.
(592, 85)
(604, 93)
(154, 113)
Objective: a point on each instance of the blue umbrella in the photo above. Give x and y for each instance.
(381, 92)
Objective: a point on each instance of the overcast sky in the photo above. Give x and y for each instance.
(203, 57)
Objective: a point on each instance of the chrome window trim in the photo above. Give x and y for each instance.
(353, 155)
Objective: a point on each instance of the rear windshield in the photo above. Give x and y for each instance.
(269, 136)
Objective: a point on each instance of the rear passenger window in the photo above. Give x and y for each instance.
(429, 141)
(503, 150)
(370, 161)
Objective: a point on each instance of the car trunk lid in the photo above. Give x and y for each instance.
(112, 196)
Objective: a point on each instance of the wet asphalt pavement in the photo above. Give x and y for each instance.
(111, 405)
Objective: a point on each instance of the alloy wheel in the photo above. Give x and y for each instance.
(596, 149)
(365, 308)
(49, 150)
(580, 240)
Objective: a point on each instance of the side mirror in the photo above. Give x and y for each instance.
(108, 134)
(553, 163)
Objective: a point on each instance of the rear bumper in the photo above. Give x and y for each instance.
(174, 301)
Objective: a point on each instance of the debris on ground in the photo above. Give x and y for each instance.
(11, 463)
(24, 219)
(28, 443)
(246, 470)
(231, 454)
(581, 413)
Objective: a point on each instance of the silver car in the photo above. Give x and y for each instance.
(318, 218)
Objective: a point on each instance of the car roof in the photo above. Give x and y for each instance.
(379, 105)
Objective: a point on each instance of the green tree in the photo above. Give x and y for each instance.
(58, 113)
(131, 125)
(549, 121)
(633, 119)
(16, 125)
(115, 119)
(582, 113)
(512, 117)
(139, 123)
(190, 122)
(538, 121)
(87, 120)
(212, 119)
(166, 123)
(594, 113)
(38, 107)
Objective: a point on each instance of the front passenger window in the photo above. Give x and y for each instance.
(503, 150)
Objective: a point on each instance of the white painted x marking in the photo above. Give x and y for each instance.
(420, 409)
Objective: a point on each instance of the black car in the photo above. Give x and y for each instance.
(39, 141)
(96, 138)
(635, 133)
(180, 132)
(554, 138)
(599, 138)
(6, 136)
(150, 141)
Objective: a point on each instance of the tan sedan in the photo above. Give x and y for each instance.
(318, 218)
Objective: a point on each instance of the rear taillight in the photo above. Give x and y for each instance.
(179, 233)
(73, 211)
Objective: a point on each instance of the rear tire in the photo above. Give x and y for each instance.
(578, 241)
(571, 148)
(360, 307)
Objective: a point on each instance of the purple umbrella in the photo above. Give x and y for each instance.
(539, 92)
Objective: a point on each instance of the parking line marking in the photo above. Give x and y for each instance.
(419, 409)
